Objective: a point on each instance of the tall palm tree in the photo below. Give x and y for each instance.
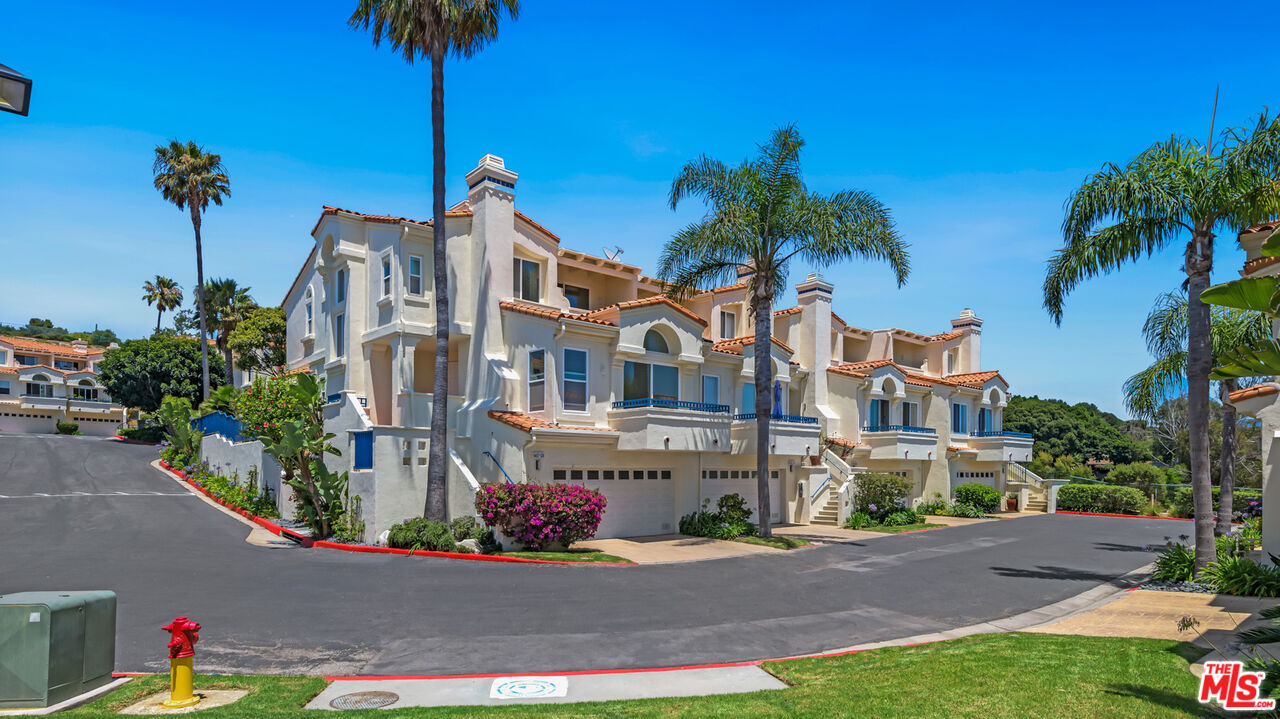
(228, 305)
(165, 294)
(191, 178)
(761, 215)
(1166, 333)
(433, 29)
(1121, 214)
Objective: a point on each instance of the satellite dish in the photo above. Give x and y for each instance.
(613, 256)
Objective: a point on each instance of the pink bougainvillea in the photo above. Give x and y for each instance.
(539, 515)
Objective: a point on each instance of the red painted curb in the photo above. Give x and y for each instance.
(584, 672)
(133, 441)
(366, 549)
(1126, 516)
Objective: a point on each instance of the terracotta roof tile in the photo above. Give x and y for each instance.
(954, 448)
(943, 337)
(385, 219)
(846, 443)
(550, 313)
(1258, 390)
(726, 288)
(859, 369)
(535, 225)
(296, 370)
(737, 345)
(974, 380)
(66, 350)
(1264, 227)
(528, 423)
(645, 302)
(789, 311)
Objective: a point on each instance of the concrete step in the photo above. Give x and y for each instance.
(828, 522)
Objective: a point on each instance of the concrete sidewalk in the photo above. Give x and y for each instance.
(1146, 613)
(672, 548)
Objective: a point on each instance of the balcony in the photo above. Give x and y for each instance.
(789, 434)
(901, 441)
(1002, 446)
(667, 424)
(40, 401)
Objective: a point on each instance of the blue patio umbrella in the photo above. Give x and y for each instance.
(777, 398)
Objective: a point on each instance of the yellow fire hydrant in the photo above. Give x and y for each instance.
(181, 651)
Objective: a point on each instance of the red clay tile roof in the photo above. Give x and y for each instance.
(1264, 227)
(727, 288)
(535, 226)
(528, 423)
(386, 219)
(644, 302)
(1258, 390)
(66, 350)
(846, 443)
(859, 369)
(789, 311)
(945, 336)
(45, 368)
(549, 313)
(954, 448)
(296, 370)
(1257, 263)
(737, 345)
(974, 380)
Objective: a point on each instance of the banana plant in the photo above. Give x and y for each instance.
(1257, 294)
(303, 444)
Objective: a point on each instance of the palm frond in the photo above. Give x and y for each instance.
(1147, 390)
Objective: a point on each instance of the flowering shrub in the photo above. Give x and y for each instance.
(538, 515)
(266, 405)
(880, 494)
(246, 494)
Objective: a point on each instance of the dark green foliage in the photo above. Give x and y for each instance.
(68, 428)
(422, 534)
(1176, 563)
(1243, 577)
(468, 528)
(221, 399)
(858, 520)
(1137, 473)
(1100, 498)
(962, 509)
(143, 372)
(979, 495)
(1082, 430)
(878, 494)
(901, 518)
(938, 505)
(183, 442)
(258, 341)
(1182, 501)
(44, 330)
(151, 433)
(730, 521)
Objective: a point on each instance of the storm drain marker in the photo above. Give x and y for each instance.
(364, 700)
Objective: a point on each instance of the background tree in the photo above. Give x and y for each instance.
(1081, 430)
(191, 178)
(433, 29)
(258, 341)
(227, 305)
(761, 215)
(141, 372)
(1166, 334)
(164, 293)
(1121, 214)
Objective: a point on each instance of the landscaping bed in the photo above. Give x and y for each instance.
(986, 676)
(899, 529)
(777, 542)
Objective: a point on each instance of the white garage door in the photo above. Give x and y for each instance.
(641, 501)
(718, 482)
(987, 478)
(16, 423)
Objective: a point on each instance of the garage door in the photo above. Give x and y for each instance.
(17, 423)
(718, 482)
(641, 501)
(987, 478)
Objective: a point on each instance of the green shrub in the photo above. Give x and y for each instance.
(700, 524)
(878, 494)
(183, 442)
(979, 495)
(221, 399)
(1242, 577)
(1100, 498)
(858, 520)
(728, 522)
(1176, 563)
(423, 535)
(901, 518)
(938, 505)
(962, 509)
(68, 428)
(468, 528)
(1183, 506)
(1137, 473)
(243, 494)
(153, 433)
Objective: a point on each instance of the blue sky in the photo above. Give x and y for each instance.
(972, 123)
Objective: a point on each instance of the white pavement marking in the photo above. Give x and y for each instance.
(869, 564)
(464, 691)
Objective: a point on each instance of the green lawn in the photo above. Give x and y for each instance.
(775, 542)
(903, 528)
(572, 555)
(984, 677)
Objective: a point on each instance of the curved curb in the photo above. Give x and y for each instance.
(367, 549)
(1125, 516)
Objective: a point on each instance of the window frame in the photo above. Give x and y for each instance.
(5, 388)
(876, 418)
(912, 408)
(340, 334)
(583, 292)
(733, 324)
(703, 388)
(409, 288)
(585, 381)
(541, 382)
(309, 301)
(386, 277)
(652, 374)
(340, 286)
(517, 283)
(959, 411)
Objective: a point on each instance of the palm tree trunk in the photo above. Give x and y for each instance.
(204, 332)
(159, 316)
(1227, 460)
(764, 400)
(436, 488)
(226, 357)
(1199, 261)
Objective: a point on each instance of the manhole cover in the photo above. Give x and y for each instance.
(364, 700)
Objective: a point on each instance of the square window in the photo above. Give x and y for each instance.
(593, 474)
(666, 474)
(575, 474)
(624, 474)
(733, 474)
(557, 474)
(525, 276)
(608, 473)
(578, 297)
(653, 474)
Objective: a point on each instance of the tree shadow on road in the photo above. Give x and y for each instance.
(1113, 547)
(1046, 572)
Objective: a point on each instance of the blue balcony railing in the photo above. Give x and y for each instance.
(899, 428)
(1002, 433)
(670, 404)
(797, 419)
(220, 423)
(333, 398)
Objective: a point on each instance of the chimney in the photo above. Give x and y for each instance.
(491, 174)
(971, 344)
(812, 340)
(80, 347)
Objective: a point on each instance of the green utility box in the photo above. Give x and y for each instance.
(55, 646)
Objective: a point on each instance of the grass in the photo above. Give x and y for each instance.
(775, 542)
(987, 676)
(572, 555)
(903, 528)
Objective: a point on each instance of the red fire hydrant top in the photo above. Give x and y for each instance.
(185, 635)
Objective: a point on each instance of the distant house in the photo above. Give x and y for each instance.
(43, 383)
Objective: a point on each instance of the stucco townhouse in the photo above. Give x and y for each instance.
(568, 367)
(43, 383)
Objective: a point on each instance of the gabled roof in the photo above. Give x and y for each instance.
(945, 336)
(549, 313)
(1264, 227)
(975, 380)
(385, 219)
(972, 380)
(737, 345)
(861, 369)
(66, 350)
(597, 315)
(1258, 390)
(789, 311)
(528, 423)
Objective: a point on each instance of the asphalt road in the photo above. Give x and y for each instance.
(85, 513)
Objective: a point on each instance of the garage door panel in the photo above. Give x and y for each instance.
(713, 488)
(635, 507)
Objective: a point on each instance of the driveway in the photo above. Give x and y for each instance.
(83, 513)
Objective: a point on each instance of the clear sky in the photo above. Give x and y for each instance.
(972, 121)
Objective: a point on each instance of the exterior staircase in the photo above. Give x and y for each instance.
(829, 514)
(1037, 488)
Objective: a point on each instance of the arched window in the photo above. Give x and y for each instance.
(655, 342)
(40, 378)
(39, 386)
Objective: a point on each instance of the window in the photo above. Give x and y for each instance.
(340, 287)
(25, 359)
(655, 342)
(4, 357)
(710, 389)
(578, 297)
(39, 387)
(85, 391)
(415, 275)
(573, 380)
(339, 335)
(728, 325)
(4, 386)
(386, 275)
(748, 397)
(951, 362)
(641, 380)
(879, 415)
(65, 365)
(537, 380)
(911, 414)
(525, 276)
(984, 420)
(308, 333)
(959, 419)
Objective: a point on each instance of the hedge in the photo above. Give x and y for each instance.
(979, 495)
(1183, 505)
(1100, 498)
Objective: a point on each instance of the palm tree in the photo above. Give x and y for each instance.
(433, 29)
(1166, 334)
(191, 178)
(165, 294)
(1121, 214)
(760, 215)
(228, 305)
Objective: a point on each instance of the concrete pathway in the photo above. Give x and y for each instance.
(546, 689)
(1145, 613)
(672, 548)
